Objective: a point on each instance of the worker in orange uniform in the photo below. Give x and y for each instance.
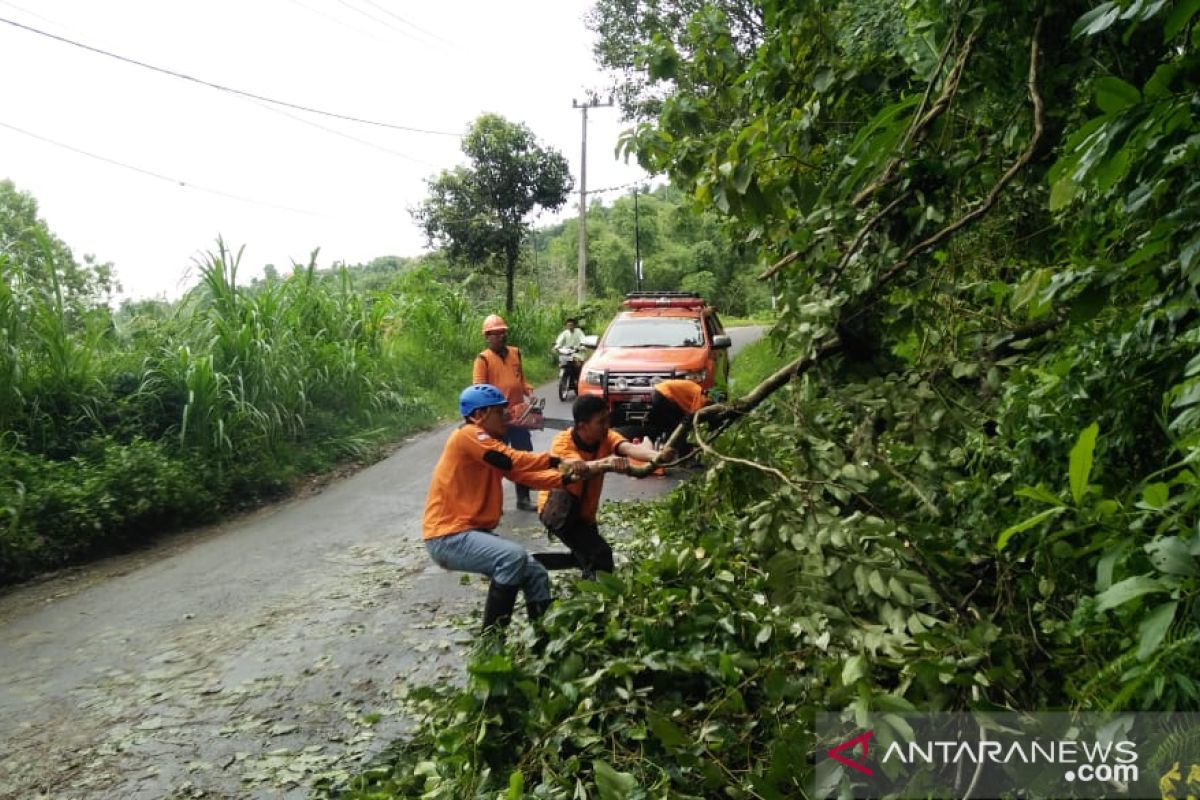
(463, 506)
(590, 439)
(671, 402)
(500, 365)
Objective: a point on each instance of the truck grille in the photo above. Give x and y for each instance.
(635, 381)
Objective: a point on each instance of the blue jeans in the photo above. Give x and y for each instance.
(486, 553)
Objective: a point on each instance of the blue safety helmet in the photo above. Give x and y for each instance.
(481, 395)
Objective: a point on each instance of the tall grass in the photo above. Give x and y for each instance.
(110, 432)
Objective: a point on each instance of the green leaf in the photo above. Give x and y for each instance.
(516, 786)
(1080, 468)
(741, 176)
(1171, 555)
(1039, 493)
(1126, 590)
(1107, 565)
(1114, 94)
(1188, 253)
(1154, 628)
(1062, 192)
(1024, 525)
(1097, 20)
(1155, 496)
(613, 785)
(854, 668)
(1179, 17)
(670, 734)
(664, 62)
(893, 703)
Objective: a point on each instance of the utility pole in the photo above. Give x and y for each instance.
(637, 242)
(581, 286)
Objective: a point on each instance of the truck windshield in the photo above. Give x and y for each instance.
(655, 332)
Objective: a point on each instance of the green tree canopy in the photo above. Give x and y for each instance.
(37, 259)
(479, 212)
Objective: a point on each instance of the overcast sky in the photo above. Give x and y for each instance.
(279, 181)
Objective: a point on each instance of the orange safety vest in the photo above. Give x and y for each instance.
(505, 374)
(565, 447)
(687, 395)
(466, 492)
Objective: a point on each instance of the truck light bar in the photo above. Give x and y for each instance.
(664, 302)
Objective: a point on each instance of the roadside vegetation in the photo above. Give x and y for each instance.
(970, 485)
(959, 474)
(120, 425)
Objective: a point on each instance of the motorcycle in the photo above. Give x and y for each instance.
(569, 363)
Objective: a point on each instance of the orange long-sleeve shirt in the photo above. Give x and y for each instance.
(466, 492)
(566, 446)
(506, 374)
(686, 394)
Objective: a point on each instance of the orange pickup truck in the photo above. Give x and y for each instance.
(659, 335)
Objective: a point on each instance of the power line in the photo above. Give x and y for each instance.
(158, 175)
(615, 188)
(379, 21)
(218, 86)
(338, 21)
(412, 25)
(30, 13)
(345, 135)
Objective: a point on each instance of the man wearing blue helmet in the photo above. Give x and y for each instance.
(465, 498)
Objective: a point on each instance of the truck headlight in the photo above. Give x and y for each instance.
(594, 377)
(699, 375)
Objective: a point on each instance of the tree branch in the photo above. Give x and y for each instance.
(994, 194)
(723, 414)
(862, 234)
(921, 123)
(780, 264)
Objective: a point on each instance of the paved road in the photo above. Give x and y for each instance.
(243, 660)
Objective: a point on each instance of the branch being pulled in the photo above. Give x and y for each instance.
(719, 416)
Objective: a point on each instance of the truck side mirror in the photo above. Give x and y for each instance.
(721, 341)
(592, 340)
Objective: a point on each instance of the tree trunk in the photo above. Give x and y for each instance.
(510, 275)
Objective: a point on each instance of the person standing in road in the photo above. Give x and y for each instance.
(464, 504)
(500, 365)
(590, 439)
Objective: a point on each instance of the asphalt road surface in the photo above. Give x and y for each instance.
(249, 658)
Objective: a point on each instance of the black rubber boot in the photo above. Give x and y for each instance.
(523, 501)
(536, 608)
(498, 609)
(556, 560)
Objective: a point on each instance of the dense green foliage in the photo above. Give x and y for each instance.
(682, 248)
(479, 212)
(120, 425)
(974, 487)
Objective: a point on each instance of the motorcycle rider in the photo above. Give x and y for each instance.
(591, 439)
(570, 339)
(571, 335)
(464, 504)
(500, 365)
